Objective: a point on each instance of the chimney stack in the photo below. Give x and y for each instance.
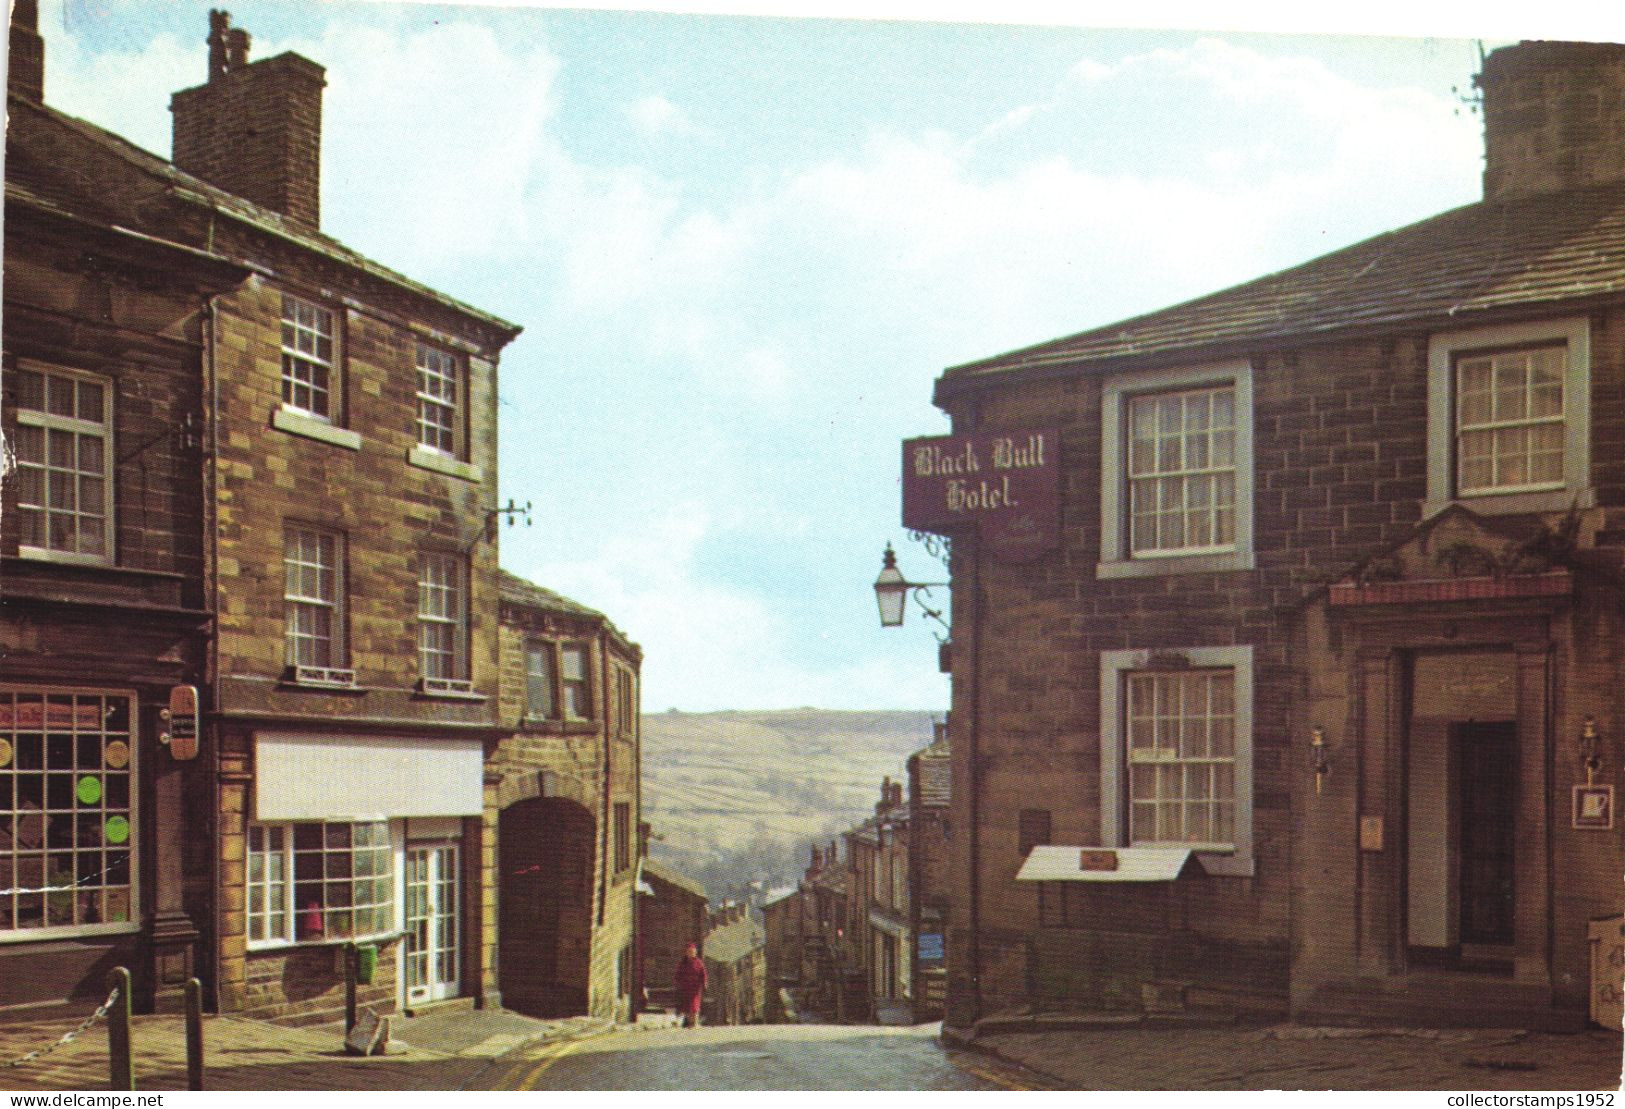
(254, 129)
(1554, 117)
(25, 68)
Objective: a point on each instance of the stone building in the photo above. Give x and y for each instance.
(929, 793)
(103, 607)
(878, 883)
(672, 913)
(563, 808)
(323, 494)
(1314, 707)
(735, 968)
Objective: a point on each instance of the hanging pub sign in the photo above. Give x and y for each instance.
(1007, 486)
(181, 717)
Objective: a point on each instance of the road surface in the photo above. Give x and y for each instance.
(751, 1057)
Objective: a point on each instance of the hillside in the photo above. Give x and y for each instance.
(737, 797)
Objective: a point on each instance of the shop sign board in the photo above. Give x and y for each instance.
(1005, 486)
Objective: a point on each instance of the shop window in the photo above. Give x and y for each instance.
(319, 881)
(68, 813)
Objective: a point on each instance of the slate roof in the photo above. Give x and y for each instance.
(45, 170)
(652, 869)
(1487, 259)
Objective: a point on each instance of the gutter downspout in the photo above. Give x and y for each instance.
(211, 570)
(973, 801)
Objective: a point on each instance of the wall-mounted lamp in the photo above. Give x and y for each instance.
(1588, 749)
(1317, 751)
(892, 590)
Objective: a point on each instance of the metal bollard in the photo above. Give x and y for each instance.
(349, 987)
(120, 1075)
(194, 1034)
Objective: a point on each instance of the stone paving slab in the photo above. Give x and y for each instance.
(1121, 1056)
(255, 1055)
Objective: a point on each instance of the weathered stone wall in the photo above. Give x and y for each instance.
(1340, 454)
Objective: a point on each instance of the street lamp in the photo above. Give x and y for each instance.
(892, 590)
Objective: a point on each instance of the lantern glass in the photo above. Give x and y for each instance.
(891, 591)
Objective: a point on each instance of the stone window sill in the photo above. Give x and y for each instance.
(311, 427)
(1515, 504)
(1178, 564)
(426, 459)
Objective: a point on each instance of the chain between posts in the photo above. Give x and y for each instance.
(69, 1037)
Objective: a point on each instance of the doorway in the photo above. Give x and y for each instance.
(432, 939)
(1486, 759)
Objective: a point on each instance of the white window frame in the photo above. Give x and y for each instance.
(443, 606)
(303, 354)
(47, 423)
(282, 921)
(1116, 558)
(294, 602)
(1115, 666)
(1445, 350)
(131, 813)
(439, 408)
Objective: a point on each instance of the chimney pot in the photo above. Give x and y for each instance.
(237, 49)
(219, 28)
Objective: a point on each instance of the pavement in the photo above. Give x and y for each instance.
(1112, 1052)
(461, 1049)
(442, 1050)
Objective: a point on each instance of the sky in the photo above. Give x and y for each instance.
(743, 246)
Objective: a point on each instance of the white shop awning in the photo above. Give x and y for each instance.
(1054, 863)
(348, 777)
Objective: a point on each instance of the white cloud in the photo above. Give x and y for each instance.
(655, 115)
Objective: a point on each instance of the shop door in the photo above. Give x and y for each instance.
(1487, 768)
(431, 952)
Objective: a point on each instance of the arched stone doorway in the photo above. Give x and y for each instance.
(546, 852)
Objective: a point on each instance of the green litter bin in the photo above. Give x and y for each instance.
(366, 963)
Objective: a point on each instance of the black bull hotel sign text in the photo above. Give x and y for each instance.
(1007, 486)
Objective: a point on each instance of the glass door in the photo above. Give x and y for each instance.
(431, 952)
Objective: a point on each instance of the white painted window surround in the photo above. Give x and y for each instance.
(1115, 666)
(1445, 350)
(1117, 393)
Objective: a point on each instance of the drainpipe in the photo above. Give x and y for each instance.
(973, 802)
(211, 571)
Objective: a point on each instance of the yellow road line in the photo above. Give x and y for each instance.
(995, 1078)
(550, 1056)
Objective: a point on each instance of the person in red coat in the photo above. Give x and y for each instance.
(690, 982)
